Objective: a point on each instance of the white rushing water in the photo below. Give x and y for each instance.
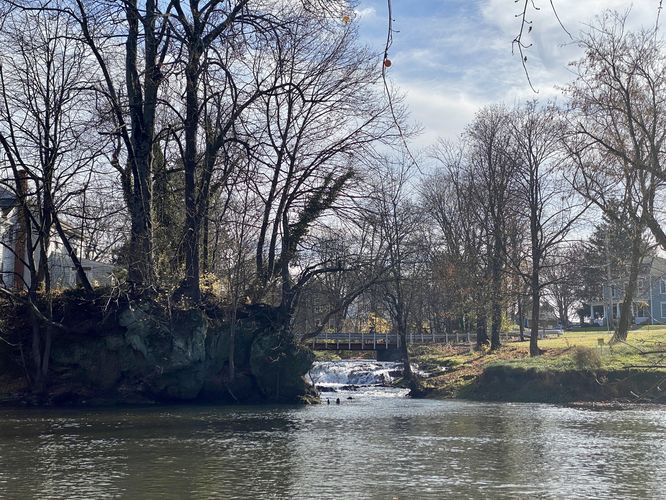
(336, 375)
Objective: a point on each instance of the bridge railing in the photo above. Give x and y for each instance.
(374, 339)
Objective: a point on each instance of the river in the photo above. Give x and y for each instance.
(379, 444)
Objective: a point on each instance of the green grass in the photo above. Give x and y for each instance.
(431, 357)
(559, 351)
(569, 369)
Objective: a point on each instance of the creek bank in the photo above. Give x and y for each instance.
(509, 375)
(515, 384)
(144, 353)
(501, 383)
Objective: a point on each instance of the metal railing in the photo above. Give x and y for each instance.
(374, 340)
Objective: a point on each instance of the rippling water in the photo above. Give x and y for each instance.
(376, 445)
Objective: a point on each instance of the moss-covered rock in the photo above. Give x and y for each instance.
(279, 367)
(144, 352)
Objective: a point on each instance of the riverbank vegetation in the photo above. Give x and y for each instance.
(213, 152)
(577, 366)
(249, 163)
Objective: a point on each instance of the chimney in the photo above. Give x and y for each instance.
(20, 244)
(22, 185)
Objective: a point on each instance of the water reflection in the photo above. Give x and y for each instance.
(369, 447)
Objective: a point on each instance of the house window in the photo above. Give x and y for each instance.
(642, 310)
(663, 309)
(662, 286)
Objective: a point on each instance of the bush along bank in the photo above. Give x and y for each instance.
(143, 352)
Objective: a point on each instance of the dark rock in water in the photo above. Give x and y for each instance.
(218, 388)
(351, 387)
(278, 366)
(325, 388)
(349, 397)
(419, 391)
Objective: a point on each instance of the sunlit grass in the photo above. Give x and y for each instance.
(558, 352)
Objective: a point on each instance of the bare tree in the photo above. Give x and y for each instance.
(544, 200)
(563, 273)
(43, 127)
(313, 137)
(619, 117)
(354, 256)
(493, 167)
(399, 219)
(452, 205)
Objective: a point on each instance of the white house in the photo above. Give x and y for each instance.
(15, 274)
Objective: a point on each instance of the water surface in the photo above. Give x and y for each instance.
(377, 445)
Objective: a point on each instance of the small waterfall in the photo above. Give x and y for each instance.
(341, 375)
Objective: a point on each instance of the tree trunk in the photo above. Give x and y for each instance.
(620, 334)
(192, 218)
(481, 328)
(48, 338)
(496, 292)
(495, 342)
(535, 287)
(609, 321)
(142, 109)
(205, 264)
(80, 272)
(140, 265)
(535, 281)
(521, 319)
(402, 332)
(404, 349)
(564, 315)
(534, 333)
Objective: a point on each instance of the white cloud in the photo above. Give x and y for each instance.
(441, 112)
(551, 48)
(574, 14)
(365, 12)
(452, 58)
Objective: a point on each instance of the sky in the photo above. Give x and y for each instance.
(451, 57)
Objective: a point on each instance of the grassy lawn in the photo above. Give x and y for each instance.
(563, 353)
(573, 351)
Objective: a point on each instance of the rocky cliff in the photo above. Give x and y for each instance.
(144, 353)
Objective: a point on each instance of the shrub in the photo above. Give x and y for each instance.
(586, 358)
